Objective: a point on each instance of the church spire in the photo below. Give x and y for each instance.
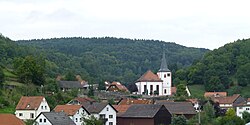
(164, 66)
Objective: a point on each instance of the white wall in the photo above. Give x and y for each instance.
(140, 86)
(78, 117)
(108, 110)
(26, 114)
(42, 123)
(167, 82)
(241, 109)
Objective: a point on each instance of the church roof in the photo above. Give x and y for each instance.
(149, 76)
(164, 66)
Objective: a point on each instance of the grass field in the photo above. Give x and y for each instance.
(196, 90)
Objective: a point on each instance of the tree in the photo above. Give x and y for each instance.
(243, 75)
(181, 93)
(246, 116)
(1, 77)
(92, 121)
(230, 119)
(179, 120)
(70, 76)
(30, 70)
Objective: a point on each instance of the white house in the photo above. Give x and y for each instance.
(75, 112)
(29, 107)
(152, 84)
(103, 111)
(240, 108)
(53, 118)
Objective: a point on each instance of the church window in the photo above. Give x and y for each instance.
(164, 75)
(165, 91)
(168, 74)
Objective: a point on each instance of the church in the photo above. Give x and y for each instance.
(156, 84)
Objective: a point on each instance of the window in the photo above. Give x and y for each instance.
(31, 115)
(20, 114)
(168, 74)
(45, 107)
(80, 119)
(107, 108)
(247, 108)
(44, 120)
(78, 112)
(40, 120)
(145, 89)
(41, 107)
(110, 116)
(164, 75)
(76, 120)
(165, 91)
(110, 123)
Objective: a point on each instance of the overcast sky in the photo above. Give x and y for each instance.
(193, 23)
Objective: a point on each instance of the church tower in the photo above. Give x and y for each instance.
(166, 76)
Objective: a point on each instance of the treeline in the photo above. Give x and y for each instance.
(220, 69)
(113, 59)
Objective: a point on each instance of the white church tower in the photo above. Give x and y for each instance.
(166, 76)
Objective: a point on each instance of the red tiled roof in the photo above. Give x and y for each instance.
(149, 76)
(134, 101)
(70, 110)
(84, 100)
(10, 119)
(121, 108)
(29, 102)
(214, 94)
(226, 100)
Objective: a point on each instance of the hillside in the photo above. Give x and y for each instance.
(98, 59)
(224, 68)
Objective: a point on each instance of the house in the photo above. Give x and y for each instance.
(179, 108)
(129, 101)
(195, 103)
(152, 84)
(228, 101)
(241, 107)
(53, 118)
(75, 112)
(29, 107)
(69, 85)
(116, 86)
(81, 101)
(103, 111)
(215, 94)
(10, 119)
(145, 114)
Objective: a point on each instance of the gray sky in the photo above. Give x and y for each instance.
(193, 23)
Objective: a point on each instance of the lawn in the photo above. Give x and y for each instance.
(10, 110)
(196, 90)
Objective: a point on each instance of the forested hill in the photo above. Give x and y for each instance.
(221, 69)
(98, 59)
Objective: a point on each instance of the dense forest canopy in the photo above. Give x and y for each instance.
(222, 68)
(113, 59)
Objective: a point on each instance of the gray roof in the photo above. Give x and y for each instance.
(71, 84)
(142, 111)
(178, 107)
(164, 66)
(58, 118)
(96, 107)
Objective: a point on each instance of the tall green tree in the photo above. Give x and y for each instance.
(230, 119)
(30, 69)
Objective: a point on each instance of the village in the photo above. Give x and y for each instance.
(152, 103)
